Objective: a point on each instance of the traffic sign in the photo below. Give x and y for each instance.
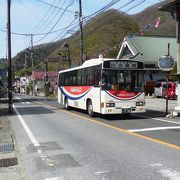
(166, 63)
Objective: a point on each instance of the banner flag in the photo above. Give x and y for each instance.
(157, 22)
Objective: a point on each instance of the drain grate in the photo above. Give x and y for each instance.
(8, 162)
(6, 148)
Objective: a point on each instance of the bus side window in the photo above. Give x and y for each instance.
(97, 78)
(60, 80)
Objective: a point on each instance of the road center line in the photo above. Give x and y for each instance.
(123, 130)
(119, 129)
(154, 129)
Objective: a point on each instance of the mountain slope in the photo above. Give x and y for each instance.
(149, 16)
(102, 35)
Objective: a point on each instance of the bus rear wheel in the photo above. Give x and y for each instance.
(66, 104)
(90, 108)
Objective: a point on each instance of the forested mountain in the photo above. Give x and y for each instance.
(102, 35)
(149, 16)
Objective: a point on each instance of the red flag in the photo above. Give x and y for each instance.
(157, 22)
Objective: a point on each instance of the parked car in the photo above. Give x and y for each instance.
(160, 89)
(171, 91)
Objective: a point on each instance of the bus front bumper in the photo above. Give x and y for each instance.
(126, 110)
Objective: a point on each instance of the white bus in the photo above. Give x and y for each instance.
(105, 86)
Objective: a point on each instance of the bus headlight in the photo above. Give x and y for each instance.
(140, 103)
(110, 104)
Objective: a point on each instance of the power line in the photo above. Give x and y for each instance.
(36, 34)
(51, 17)
(56, 22)
(43, 17)
(54, 6)
(90, 16)
(109, 15)
(64, 30)
(64, 35)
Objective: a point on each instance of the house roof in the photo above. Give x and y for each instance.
(39, 75)
(147, 48)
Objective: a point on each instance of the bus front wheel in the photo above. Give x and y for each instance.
(66, 104)
(90, 108)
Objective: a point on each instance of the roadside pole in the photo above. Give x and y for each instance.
(166, 63)
(81, 33)
(9, 56)
(167, 91)
(32, 60)
(167, 81)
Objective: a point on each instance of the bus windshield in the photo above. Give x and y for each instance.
(129, 80)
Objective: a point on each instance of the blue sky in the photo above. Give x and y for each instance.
(26, 18)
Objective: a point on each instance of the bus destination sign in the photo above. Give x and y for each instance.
(123, 64)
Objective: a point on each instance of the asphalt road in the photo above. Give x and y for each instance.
(55, 144)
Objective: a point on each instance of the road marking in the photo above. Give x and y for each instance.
(154, 129)
(28, 131)
(55, 178)
(101, 172)
(121, 130)
(44, 158)
(166, 172)
(17, 98)
(27, 102)
(157, 119)
(125, 131)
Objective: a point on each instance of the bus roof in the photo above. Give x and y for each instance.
(90, 63)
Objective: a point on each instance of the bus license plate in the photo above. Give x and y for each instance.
(126, 110)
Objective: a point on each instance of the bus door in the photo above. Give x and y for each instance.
(95, 93)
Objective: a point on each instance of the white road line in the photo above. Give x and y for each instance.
(157, 119)
(154, 129)
(22, 102)
(17, 98)
(44, 158)
(166, 172)
(28, 131)
(101, 172)
(55, 178)
(27, 102)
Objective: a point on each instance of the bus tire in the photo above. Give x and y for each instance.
(67, 107)
(90, 108)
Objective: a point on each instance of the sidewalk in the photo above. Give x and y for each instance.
(7, 155)
(9, 168)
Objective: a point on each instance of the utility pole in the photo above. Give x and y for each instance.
(167, 82)
(32, 60)
(9, 56)
(81, 32)
(46, 83)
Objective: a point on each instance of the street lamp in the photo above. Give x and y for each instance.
(174, 9)
(66, 46)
